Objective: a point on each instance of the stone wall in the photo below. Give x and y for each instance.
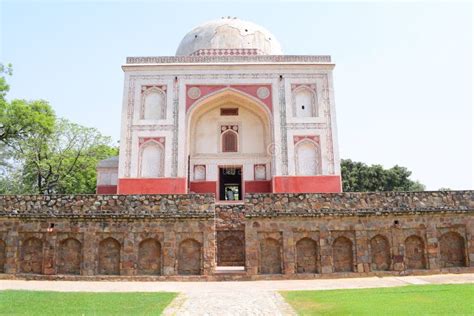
(361, 232)
(107, 235)
(358, 204)
(230, 234)
(107, 206)
(273, 235)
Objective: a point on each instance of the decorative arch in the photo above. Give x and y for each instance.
(149, 257)
(270, 256)
(230, 141)
(3, 256)
(452, 250)
(380, 253)
(153, 104)
(306, 256)
(70, 256)
(228, 93)
(415, 253)
(342, 255)
(307, 158)
(189, 257)
(31, 256)
(223, 97)
(109, 257)
(304, 102)
(152, 157)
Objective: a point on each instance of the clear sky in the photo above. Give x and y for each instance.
(403, 77)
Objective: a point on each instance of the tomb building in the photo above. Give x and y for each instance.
(230, 114)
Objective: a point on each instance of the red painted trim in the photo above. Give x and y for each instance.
(152, 186)
(203, 186)
(314, 138)
(257, 186)
(307, 184)
(205, 90)
(249, 89)
(252, 90)
(106, 189)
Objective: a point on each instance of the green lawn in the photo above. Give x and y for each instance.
(82, 303)
(446, 299)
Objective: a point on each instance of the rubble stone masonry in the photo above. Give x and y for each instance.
(183, 237)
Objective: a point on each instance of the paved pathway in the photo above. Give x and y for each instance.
(232, 298)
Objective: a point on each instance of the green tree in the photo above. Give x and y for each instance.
(63, 162)
(4, 87)
(359, 177)
(20, 118)
(40, 153)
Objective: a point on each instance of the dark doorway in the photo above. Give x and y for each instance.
(230, 184)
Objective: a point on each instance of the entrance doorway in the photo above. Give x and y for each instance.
(230, 183)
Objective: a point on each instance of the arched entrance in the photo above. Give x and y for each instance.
(228, 136)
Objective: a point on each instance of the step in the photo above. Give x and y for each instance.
(230, 270)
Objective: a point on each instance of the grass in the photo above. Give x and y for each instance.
(82, 303)
(448, 299)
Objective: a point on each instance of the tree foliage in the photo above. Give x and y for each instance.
(359, 177)
(40, 153)
(20, 118)
(65, 161)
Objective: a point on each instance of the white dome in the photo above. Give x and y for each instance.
(229, 36)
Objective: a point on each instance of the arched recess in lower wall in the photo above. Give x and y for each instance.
(343, 258)
(149, 257)
(31, 256)
(452, 250)
(189, 257)
(306, 256)
(415, 253)
(109, 257)
(3, 256)
(380, 253)
(70, 256)
(270, 256)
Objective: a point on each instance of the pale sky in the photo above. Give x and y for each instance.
(403, 76)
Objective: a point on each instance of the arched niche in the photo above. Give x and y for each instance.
(151, 159)
(306, 256)
(415, 253)
(153, 104)
(304, 102)
(380, 253)
(70, 256)
(149, 257)
(230, 141)
(204, 122)
(307, 158)
(270, 256)
(109, 257)
(452, 250)
(189, 257)
(3, 256)
(342, 254)
(31, 256)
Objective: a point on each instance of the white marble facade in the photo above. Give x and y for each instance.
(173, 121)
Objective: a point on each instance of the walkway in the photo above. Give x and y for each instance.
(232, 298)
